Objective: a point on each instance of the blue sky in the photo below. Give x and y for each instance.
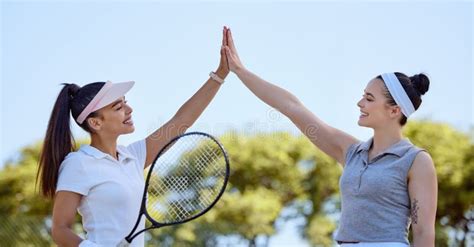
(324, 53)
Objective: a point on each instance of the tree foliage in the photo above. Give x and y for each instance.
(270, 172)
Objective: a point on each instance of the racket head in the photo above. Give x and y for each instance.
(186, 179)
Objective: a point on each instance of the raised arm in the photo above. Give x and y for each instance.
(189, 112)
(330, 140)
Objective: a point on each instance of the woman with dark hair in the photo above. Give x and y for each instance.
(104, 181)
(387, 182)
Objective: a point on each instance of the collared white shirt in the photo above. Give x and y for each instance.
(112, 191)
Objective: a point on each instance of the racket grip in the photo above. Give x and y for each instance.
(123, 243)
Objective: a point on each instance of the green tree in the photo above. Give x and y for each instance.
(322, 189)
(265, 178)
(269, 173)
(23, 212)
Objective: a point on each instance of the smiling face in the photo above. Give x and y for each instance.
(114, 119)
(374, 108)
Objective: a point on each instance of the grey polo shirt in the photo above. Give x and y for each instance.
(374, 195)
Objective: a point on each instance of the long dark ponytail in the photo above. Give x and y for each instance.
(59, 141)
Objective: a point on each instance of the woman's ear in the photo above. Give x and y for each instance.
(94, 123)
(395, 111)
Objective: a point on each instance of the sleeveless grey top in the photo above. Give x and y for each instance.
(374, 195)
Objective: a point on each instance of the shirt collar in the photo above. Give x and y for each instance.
(398, 149)
(123, 151)
(96, 153)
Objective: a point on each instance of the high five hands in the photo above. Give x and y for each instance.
(232, 57)
(223, 69)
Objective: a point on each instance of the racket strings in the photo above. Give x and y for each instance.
(210, 159)
(186, 179)
(181, 208)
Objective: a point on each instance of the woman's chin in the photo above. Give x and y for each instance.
(362, 123)
(130, 129)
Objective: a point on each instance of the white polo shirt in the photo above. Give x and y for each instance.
(112, 191)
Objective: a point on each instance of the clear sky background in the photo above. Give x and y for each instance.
(323, 52)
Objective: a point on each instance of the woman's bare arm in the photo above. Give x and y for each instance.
(64, 213)
(330, 140)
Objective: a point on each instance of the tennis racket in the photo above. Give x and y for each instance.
(186, 179)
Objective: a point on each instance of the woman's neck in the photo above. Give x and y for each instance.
(385, 137)
(108, 146)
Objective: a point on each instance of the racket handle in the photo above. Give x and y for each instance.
(123, 243)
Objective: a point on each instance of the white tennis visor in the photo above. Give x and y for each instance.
(106, 95)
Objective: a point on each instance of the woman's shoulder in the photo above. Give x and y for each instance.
(75, 158)
(136, 149)
(422, 164)
(70, 170)
(359, 145)
(423, 158)
(416, 153)
(352, 150)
